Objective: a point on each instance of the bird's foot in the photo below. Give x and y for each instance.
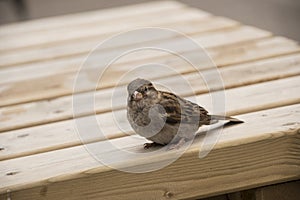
(150, 145)
(177, 145)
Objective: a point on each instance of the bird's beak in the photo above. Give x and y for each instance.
(137, 96)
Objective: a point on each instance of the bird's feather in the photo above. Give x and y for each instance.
(179, 110)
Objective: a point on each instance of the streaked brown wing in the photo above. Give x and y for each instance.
(188, 112)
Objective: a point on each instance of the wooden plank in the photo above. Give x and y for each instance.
(62, 83)
(246, 156)
(25, 115)
(42, 162)
(254, 50)
(29, 114)
(107, 29)
(222, 55)
(236, 37)
(78, 19)
(63, 134)
(185, 25)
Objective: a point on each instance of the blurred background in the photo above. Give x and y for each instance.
(281, 17)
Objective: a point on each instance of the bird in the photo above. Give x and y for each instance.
(164, 117)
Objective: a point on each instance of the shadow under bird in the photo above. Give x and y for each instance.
(163, 117)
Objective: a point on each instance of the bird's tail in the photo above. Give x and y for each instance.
(230, 119)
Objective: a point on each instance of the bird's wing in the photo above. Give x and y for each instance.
(179, 110)
(171, 108)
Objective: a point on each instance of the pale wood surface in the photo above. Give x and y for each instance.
(41, 154)
(89, 17)
(63, 134)
(257, 156)
(62, 82)
(52, 36)
(61, 108)
(82, 47)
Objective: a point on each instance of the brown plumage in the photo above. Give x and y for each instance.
(164, 117)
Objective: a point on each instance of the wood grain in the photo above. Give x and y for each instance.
(36, 88)
(222, 55)
(216, 39)
(42, 155)
(187, 25)
(30, 114)
(92, 17)
(258, 156)
(33, 113)
(63, 134)
(52, 37)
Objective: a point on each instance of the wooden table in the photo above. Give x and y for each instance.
(41, 154)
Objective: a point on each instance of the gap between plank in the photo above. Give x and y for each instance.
(244, 110)
(197, 90)
(16, 63)
(86, 17)
(61, 36)
(235, 138)
(108, 86)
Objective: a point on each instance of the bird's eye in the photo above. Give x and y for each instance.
(146, 89)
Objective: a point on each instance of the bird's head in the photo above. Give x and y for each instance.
(141, 89)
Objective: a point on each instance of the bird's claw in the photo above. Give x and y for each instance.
(149, 145)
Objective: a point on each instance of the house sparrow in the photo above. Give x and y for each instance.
(164, 117)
